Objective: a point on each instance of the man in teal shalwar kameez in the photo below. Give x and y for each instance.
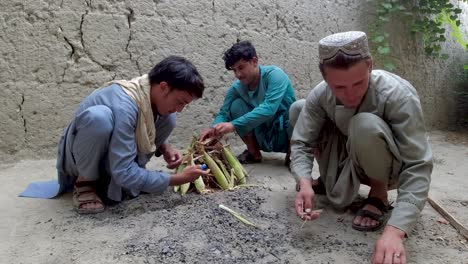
(256, 105)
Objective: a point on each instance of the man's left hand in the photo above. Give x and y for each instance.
(171, 156)
(389, 247)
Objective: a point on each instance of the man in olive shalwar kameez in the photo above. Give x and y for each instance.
(363, 126)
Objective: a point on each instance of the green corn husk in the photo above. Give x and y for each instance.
(221, 166)
(199, 184)
(235, 164)
(232, 179)
(179, 169)
(184, 188)
(217, 172)
(237, 215)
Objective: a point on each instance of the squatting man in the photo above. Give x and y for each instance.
(363, 126)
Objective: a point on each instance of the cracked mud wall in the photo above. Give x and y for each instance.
(54, 53)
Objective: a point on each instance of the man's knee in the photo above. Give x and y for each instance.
(365, 129)
(98, 120)
(295, 110)
(238, 108)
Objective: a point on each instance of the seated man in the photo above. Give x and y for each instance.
(363, 126)
(118, 128)
(256, 105)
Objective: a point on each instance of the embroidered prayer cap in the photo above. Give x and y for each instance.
(351, 43)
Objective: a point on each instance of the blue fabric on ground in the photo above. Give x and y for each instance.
(45, 189)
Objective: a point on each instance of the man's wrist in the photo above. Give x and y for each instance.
(164, 147)
(303, 183)
(389, 229)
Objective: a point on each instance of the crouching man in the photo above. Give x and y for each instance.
(118, 128)
(363, 126)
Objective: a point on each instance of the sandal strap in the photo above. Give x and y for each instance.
(246, 157)
(84, 189)
(379, 204)
(371, 215)
(88, 197)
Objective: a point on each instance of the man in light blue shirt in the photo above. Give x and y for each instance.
(117, 129)
(256, 105)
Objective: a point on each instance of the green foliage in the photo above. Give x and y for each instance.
(426, 19)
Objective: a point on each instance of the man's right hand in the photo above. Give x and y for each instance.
(207, 133)
(189, 174)
(305, 200)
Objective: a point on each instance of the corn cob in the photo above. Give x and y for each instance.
(184, 188)
(218, 174)
(235, 164)
(199, 184)
(179, 169)
(232, 179)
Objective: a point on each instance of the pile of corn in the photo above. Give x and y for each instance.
(226, 171)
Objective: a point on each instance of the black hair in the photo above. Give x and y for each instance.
(342, 61)
(243, 50)
(179, 73)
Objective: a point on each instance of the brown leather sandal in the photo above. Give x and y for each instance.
(381, 218)
(85, 193)
(247, 158)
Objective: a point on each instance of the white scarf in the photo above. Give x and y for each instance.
(139, 90)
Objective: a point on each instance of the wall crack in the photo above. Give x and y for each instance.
(130, 19)
(21, 110)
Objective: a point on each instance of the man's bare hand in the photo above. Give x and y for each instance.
(172, 156)
(224, 128)
(389, 247)
(189, 174)
(207, 133)
(304, 201)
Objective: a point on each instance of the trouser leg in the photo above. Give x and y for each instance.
(93, 129)
(372, 149)
(238, 109)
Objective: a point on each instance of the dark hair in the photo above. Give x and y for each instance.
(180, 74)
(243, 50)
(342, 61)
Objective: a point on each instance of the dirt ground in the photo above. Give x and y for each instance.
(192, 229)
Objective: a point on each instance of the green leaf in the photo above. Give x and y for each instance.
(385, 19)
(444, 56)
(383, 50)
(401, 7)
(389, 66)
(428, 50)
(387, 5)
(465, 67)
(378, 39)
(457, 11)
